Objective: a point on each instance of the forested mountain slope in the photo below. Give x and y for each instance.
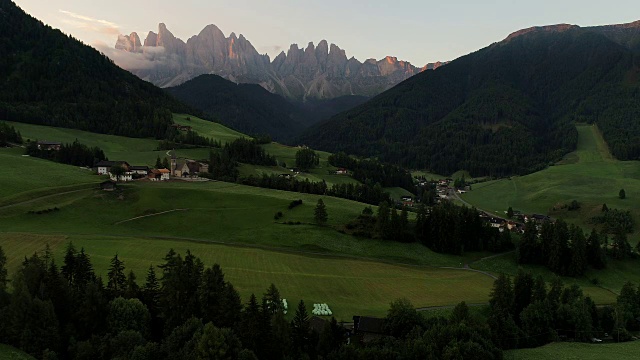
(50, 78)
(251, 109)
(505, 109)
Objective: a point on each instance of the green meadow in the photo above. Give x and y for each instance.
(24, 177)
(135, 151)
(208, 128)
(232, 225)
(589, 175)
(577, 351)
(349, 286)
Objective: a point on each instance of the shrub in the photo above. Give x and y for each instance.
(278, 215)
(295, 203)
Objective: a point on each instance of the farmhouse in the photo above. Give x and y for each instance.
(342, 171)
(367, 328)
(48, 145)
(103, 167)
(181, 127)
(285, 176)
(139, 170)
(159, 174)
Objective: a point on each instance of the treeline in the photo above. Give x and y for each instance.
(189, 139)
(373, 171)
(357, 192)
(528, 312)
(566, 251)
(189, 312)
(614, 220)
(8, 134)
(443, 228)
(451, 229)
(223, 164)
(76, 154)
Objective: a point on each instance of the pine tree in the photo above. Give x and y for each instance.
(527, 251)
(578, 252)
(621, 248)
(394, 225)
(250, 329)
(522, 293)
(382, 219)
(622, 194)
(116, 279)
(70, 263)
(158, 163)
(151, 289)
(404, 224)
(320, 213)
(165, 163)
(272, 300)
(510, 212)
(132, 290)
(539, 291)
(596, 255)
(301, 330)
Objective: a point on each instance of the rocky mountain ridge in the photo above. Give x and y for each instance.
(313, 72)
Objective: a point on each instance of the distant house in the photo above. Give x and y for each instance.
(285, 176)
(368, 328)
(108, 185)
(496, 223)
(408, 201)
(103, 167)
(537, 218)
(181, 127)
(48, 145)
(342, 171)
(139, 170)
(159, 174)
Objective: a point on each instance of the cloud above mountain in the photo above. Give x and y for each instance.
(88, 23)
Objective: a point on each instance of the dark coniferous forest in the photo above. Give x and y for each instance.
(50, 78)
(506, 109)
(251, 109)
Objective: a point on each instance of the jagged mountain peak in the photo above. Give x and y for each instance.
(322, 71)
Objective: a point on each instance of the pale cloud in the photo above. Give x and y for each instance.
(88, 23)
(148, 59)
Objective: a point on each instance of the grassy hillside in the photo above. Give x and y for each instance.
(208, 128)
(349, 286)
(134, 151)
(577, 351)
(590, 175)
(10, 353)
(24, 176)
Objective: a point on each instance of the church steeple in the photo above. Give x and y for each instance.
(173, 162)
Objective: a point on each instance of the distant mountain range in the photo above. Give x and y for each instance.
(315, 72)
(252, 110)
(506, 109)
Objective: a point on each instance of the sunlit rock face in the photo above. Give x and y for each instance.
(312, 72)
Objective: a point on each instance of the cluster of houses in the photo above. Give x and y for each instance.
(179, 169)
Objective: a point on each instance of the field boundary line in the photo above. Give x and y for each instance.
(149, 215)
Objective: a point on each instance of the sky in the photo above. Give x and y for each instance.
(416, 31)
